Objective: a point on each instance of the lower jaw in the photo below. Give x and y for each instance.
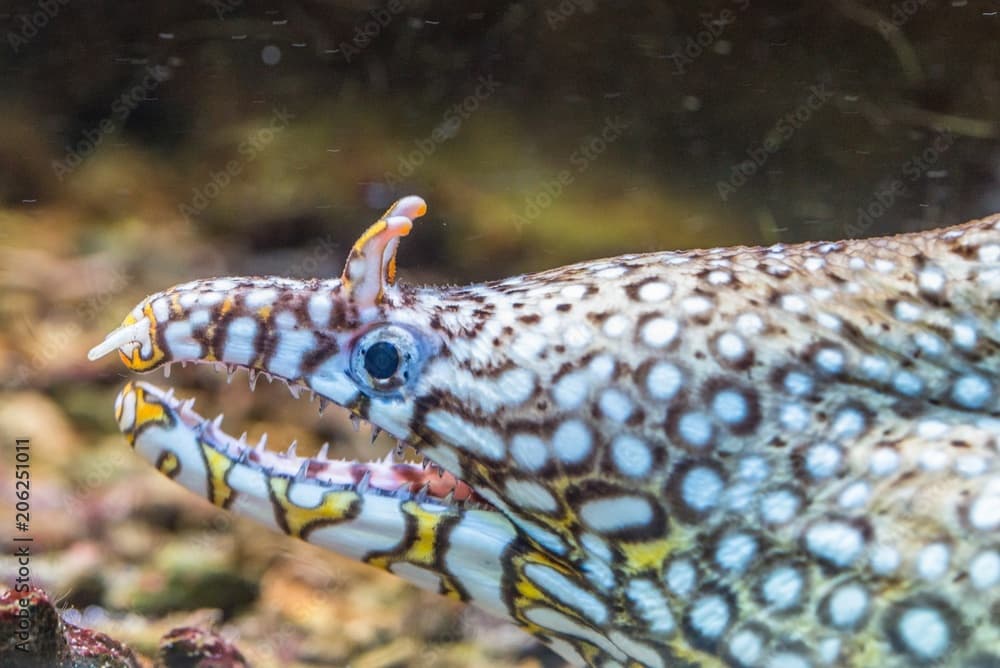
(424, 482)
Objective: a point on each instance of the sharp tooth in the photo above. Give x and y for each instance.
(166, 370)
(323, 403)
(400, 449)
(242, 440)
(424, 463)
(449, 498)
(187, 405)
(296, 390)
(422, 494)
(169, 396)
(217, 422)
(375, 432)
(323, 451)
(312, 396)
(355, 422)
(290, 452)
(244, 456)
(270, 378)
(262, 444)
(230, 372)
(303, 470)
(219, 367)
(252, 375)
(184, 364)
(363, 483)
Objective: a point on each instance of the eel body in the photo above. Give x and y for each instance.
(782, 456)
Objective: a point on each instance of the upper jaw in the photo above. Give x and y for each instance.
(264, 323)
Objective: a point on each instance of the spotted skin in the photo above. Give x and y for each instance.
(782, 456)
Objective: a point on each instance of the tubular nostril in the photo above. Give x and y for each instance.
(411, 206)
(128, 336)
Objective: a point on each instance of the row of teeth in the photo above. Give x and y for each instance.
(295, 389)
(302, 474)
(394, 456)
(252, 375)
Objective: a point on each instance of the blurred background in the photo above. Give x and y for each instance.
(153, 143)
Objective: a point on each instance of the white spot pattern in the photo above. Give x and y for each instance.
(616, 513)
(835, 541)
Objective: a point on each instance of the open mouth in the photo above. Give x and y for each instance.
(150, 416)
(312, 336)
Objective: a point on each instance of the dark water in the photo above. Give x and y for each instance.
(144, 145)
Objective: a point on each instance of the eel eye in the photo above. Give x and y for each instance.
(382, 360)
(385, 358)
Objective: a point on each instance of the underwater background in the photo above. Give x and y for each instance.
(148, 144)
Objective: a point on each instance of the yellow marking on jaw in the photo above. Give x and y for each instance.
(335, 507)
(146, 412)
(168, 464)
(135, 360)
(219, 465)
(424, 549)
(264, 312)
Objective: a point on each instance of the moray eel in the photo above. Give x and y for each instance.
(783, 456)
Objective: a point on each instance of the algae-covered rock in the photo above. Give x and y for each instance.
(188, 647)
